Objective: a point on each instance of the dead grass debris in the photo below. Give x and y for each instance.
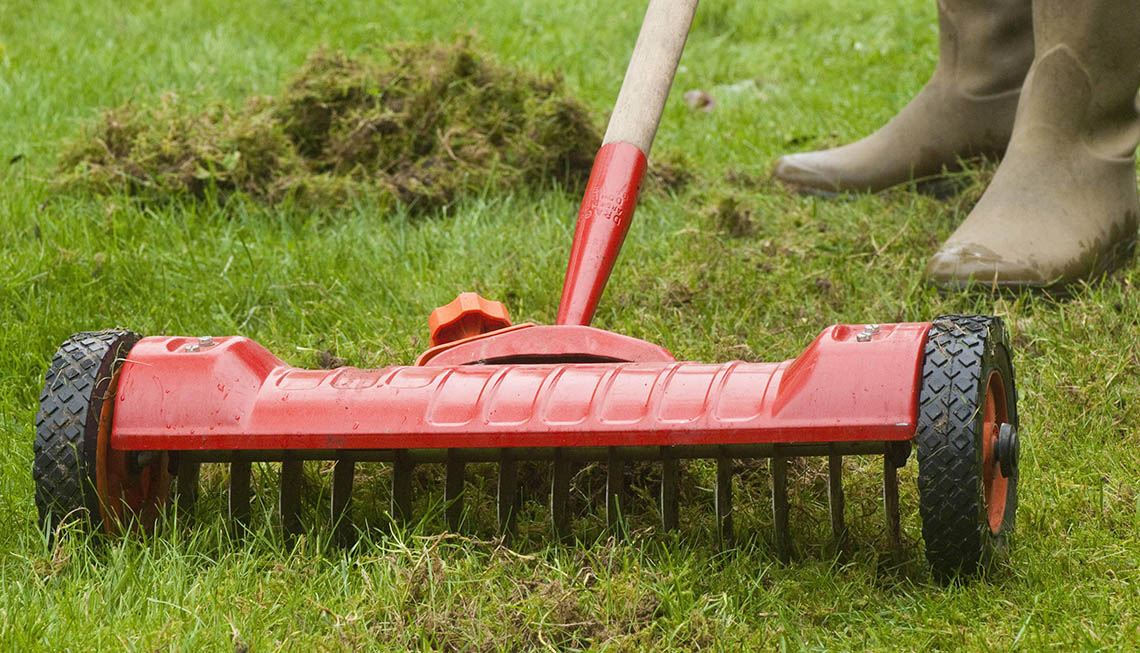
(422, 124)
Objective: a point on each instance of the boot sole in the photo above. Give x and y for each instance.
(939, 187)
(1117, 257)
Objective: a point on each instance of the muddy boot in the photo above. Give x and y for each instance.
(1063, 204)
(965, 110)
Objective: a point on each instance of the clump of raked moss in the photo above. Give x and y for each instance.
(421, 124)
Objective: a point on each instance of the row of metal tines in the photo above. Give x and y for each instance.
(563, 460)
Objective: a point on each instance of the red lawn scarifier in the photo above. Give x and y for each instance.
(120, 415)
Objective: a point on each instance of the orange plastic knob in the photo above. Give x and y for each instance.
(467, 315)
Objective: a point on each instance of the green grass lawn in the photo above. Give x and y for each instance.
(359, 283)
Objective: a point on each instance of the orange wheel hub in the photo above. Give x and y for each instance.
(127, 493)
(995, 483)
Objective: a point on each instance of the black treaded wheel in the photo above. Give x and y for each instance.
(73, 464)
(966, 502)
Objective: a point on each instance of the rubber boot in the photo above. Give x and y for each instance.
(1063, 205)
(966, 110)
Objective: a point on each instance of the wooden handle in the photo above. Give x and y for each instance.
(650, 73)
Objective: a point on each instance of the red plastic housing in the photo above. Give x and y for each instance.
(532, 343)
(232, 394)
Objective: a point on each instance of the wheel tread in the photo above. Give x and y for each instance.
(958, 350)
(67, 423)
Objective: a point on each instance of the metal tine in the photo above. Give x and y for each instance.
(402, 468)
(343, 471)
(615, 488)
(508, 496)
(723, 498)
(453, 491)
(560, 497)
(187, 486)
(835, 499)
(670, 490)
(240, 473)
(891, 503)
(779, 467)
(289, 498)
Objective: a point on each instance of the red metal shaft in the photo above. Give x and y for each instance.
(603, 221)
